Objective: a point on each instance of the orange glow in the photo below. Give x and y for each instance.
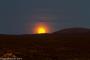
(41, 28)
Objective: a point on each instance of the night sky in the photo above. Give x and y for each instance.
(19, 16)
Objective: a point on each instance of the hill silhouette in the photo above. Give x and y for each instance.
(64, 44)
(73, 31)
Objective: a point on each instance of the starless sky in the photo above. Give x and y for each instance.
(19, 16)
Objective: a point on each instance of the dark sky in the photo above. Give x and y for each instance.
(18, 16)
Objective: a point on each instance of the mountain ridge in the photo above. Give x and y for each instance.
(73, 30)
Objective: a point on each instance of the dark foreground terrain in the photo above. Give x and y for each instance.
(67, 44)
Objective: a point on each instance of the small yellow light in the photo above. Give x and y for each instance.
(41, 30)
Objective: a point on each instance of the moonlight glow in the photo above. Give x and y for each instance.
(41, 28)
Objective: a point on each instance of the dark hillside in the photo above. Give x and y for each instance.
(66, 44)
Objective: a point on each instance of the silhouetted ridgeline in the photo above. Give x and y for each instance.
(64, 44)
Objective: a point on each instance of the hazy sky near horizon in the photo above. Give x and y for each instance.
(19, 16)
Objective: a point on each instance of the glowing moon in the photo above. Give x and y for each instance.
(41, 28)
